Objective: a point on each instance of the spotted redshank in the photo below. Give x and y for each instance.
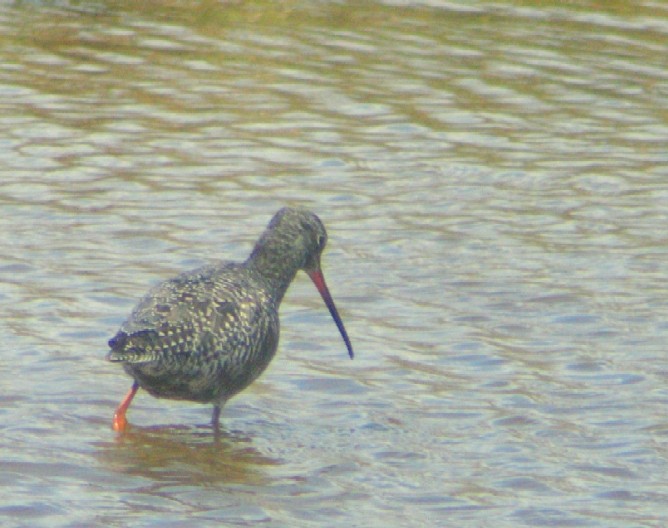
(206, 334)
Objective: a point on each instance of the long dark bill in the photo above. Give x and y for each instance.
(319, 280)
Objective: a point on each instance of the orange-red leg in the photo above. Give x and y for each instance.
(120, 422)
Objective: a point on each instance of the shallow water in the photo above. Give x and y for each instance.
(493, 176)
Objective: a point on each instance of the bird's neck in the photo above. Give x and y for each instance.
(276, 264)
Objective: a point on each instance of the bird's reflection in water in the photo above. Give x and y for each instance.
(186, 456)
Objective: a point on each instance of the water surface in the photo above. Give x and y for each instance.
(493, 176)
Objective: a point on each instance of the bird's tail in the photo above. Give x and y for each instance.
(132, 348)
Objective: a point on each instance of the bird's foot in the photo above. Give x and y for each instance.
(120, 422)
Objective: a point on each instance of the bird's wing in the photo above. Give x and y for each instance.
(178, 317)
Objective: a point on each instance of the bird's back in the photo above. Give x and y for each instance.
(202, 336)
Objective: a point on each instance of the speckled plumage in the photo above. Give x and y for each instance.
(207, 334)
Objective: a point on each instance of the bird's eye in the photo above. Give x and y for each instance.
(322, 240)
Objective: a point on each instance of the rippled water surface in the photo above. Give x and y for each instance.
(494, 179)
